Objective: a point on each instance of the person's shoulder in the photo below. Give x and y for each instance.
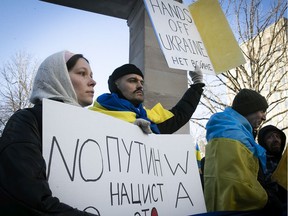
(25, 115)
(22, 113)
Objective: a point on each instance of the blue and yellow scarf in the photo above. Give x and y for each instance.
(112, 105)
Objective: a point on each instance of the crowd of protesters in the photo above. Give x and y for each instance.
(238, 178)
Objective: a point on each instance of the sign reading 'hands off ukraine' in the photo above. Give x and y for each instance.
(198, 34)
(177, 35)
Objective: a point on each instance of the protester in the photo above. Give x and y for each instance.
(233, 158)
(24, 189)
(127, 97)
(274, 141)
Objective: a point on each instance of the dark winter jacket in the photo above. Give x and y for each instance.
(183, 110)
(24, 189)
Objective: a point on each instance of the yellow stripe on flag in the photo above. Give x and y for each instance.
(198, 156)
(280, 174)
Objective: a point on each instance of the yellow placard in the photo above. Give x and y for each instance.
(219, 40)
(280, 174)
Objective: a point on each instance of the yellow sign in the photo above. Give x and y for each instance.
(216, 34)
(280, 174)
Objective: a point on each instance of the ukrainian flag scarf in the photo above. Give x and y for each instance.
(111, 104)
(230, 124)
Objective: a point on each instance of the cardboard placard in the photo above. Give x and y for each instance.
(198, 34)
(178, 36)
(107, 166)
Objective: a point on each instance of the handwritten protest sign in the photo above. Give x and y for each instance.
(198, 34)
(178, 36)
(107, 166)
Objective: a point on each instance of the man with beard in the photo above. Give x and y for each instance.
(127, 96)
(274, 141)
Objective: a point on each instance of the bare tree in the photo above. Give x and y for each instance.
(261, 31)
(16, 82)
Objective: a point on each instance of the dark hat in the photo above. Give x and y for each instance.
(269, 128)
(121, 71)
(248, 101)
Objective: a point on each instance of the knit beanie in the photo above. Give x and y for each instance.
(248, 101)
(269, 128)
(122, 71)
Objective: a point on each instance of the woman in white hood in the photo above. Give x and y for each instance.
(24, 189)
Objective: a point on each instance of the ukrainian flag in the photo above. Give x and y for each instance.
(198, 156)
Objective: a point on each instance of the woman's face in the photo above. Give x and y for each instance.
(82, 80)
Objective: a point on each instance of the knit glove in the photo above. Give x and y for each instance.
(196, 75)
(144, 125)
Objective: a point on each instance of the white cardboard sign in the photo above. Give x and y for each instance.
(106, 166)
(178, 36)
